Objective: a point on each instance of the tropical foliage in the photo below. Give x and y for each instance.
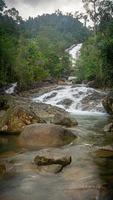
(33, 50)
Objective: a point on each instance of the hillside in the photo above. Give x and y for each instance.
(34, 50)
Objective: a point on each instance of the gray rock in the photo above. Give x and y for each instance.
(45, 135)
(52, 160)
(51, 96)
(65, 102)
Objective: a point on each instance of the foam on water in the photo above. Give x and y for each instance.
(77, 95)
(11, 89)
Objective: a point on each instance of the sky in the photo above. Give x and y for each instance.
(33, 8)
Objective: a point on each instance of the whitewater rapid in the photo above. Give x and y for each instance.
(74, 99)
(78, 99)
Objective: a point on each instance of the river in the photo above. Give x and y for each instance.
(89, 177)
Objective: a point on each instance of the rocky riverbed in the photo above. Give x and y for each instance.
(78, 166)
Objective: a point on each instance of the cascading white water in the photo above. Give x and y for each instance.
(74, 51)
(78, 99)
(74, 99)
(11, 89)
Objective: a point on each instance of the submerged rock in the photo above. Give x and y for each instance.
(52, 160)
(16, 118)
(64, 120)
(45, 135)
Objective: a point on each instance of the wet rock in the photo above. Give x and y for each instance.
(109, 127)
(51, 96)
(105, 152)
(108, 103)
(65, 102)
(46, 111)
(93, 101)
(43, 112)
(52, 160)
(64, 120)
(16, 118)
(94, 96)
(45, 135)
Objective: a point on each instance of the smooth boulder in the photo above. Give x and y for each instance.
(64, 120)
(45, 135)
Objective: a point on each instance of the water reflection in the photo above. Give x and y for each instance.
(89, 177)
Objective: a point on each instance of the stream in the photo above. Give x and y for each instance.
(88, 177)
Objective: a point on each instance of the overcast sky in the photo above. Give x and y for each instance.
(33, 8)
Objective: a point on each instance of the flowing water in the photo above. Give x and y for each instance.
(74, 99)
(89, 177)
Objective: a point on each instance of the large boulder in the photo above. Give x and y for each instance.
(45, 135)
(16, 118)
(64, 120)
(108, 103)
(51, 160)
(46, 111)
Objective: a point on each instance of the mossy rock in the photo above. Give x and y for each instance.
(16, 118)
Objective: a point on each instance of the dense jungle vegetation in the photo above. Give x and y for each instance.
(33, 50)
(96, 60)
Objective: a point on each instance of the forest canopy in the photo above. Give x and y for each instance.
(34, 49)
(96, 60)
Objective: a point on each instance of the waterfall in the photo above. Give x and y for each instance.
(74, 99)
(11, 89)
